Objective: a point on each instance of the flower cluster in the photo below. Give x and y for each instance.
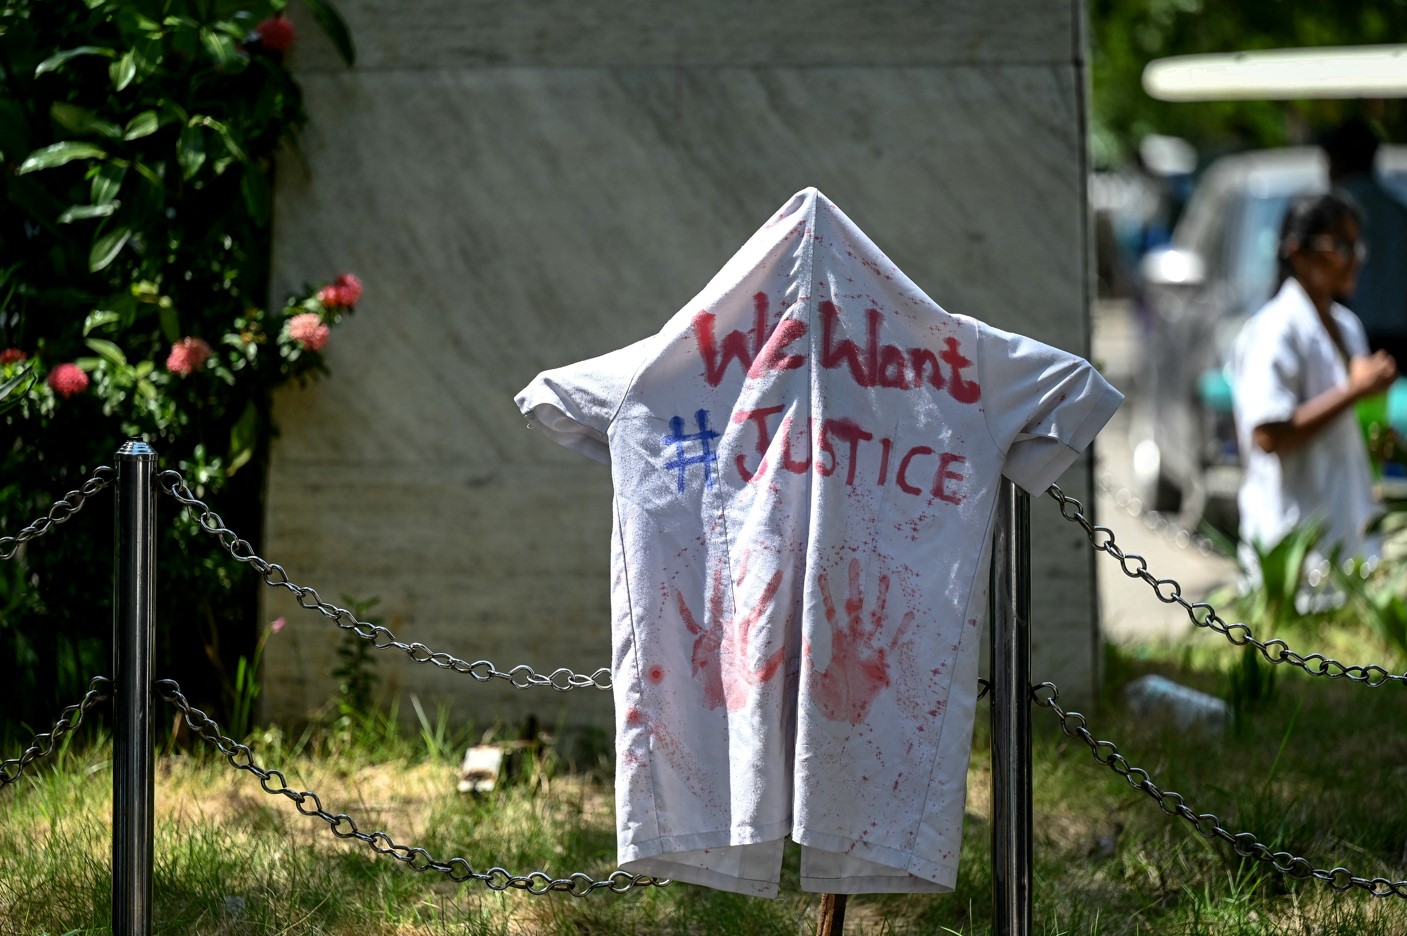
(343, 293)
(67, 380)
(309, 330)
(275, 34)
(188, 356)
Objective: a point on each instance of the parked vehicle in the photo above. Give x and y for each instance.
(1196, 294)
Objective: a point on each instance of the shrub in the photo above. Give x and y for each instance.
(137, 140)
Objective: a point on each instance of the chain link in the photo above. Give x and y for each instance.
(1174, 804)
(275, 576)
(1202, 614)
(241, 757)
(1316, 576)
(99, 689)
(65, 507)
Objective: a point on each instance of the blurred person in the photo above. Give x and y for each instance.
(1380, 300)
(1299, 366)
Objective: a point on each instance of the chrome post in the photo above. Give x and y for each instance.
(133, 778)
(1011, 713)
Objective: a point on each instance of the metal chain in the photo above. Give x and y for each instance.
(65, 507)
(1174, 804)
(1202, 614)
(456, 869)
(521, 676)
(1156, 521)
(1316, 576)
(99, 689)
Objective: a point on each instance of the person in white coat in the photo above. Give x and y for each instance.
(1298, 367)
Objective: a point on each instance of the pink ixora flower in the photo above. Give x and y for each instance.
(67, 379)
(308, 330)
(343, 293)
(12, 356)
(276, 33)
(188, 356)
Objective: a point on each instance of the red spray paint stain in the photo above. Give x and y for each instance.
(723, 644)
(859, 669)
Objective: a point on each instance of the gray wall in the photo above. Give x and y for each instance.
(525, 185)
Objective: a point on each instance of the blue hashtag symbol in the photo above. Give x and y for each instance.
(705, 456)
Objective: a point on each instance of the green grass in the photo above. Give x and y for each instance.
(1318, 768)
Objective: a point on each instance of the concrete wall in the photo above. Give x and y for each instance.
(525, 185)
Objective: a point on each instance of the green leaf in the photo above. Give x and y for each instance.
(170, 323)
(81, 212)
(107, 351)
(14, 389)
(219, 47)
(123, 70)
(149, 52)
(106, 247)
(57, 154)
(98, 318)
(244, 434)
(148, 173)
(190, 151)
(107, 182)
(81, 120)
(54, 61)
(144, 124)
(225, 136)
(335, 27)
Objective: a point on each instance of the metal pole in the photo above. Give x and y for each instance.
(1011, 714)
(133, 734)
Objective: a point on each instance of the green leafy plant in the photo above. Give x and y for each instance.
(246, 687)
(1377, 597)
(137, 149)
(1281, 571)
(356, 669)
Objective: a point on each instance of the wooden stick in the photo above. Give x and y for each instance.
(832, 921)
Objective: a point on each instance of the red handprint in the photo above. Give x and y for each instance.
(858, 670)
(722, 651)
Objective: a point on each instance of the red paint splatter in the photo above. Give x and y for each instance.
(858, 670)
(722, 649)
(655, 674)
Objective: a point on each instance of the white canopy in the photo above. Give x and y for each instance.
(1378, 71)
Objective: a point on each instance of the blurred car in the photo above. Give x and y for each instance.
(1219, 269)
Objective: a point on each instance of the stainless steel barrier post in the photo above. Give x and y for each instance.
(133, 735)
(1011, 713)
